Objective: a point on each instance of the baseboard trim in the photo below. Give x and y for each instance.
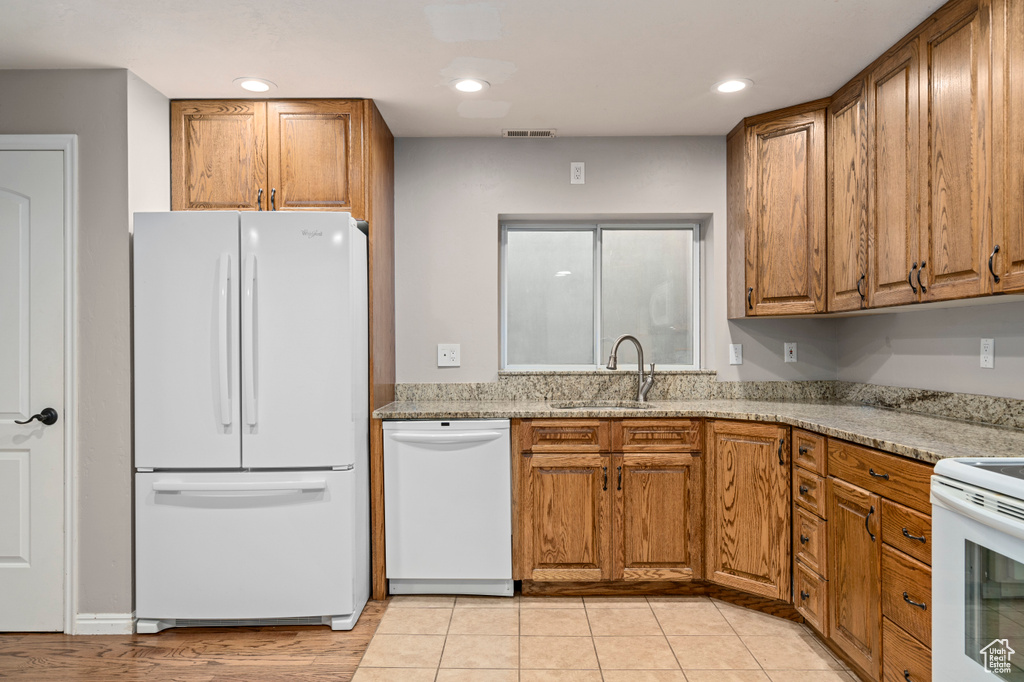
(104, 624)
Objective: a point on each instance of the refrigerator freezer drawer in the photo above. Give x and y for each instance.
(244, 545)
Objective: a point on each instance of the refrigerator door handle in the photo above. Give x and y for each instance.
(223, 324)
(228, 487)
(249, 341)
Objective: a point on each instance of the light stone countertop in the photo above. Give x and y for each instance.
(916, 436)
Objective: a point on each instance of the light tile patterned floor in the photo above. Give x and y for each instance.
(590, 639)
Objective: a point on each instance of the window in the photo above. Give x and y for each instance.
(569, 290)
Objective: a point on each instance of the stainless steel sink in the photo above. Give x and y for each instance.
(601, 405)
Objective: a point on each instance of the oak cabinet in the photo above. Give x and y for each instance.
(748, 512)
(268, 155)
(1007, 249)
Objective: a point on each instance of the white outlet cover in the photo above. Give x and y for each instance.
(577, 174)
(988, 353)
(735, 353)
(448, 355)
(789, 352)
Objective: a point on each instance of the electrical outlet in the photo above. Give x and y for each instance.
(576, 175)
(735, 353)
(789, 352)
(988, 353)
(448, 355)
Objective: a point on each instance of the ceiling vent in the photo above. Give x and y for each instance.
(547, 132)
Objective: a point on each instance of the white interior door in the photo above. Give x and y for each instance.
(31, 379)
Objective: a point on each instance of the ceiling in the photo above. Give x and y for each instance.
(584, 67)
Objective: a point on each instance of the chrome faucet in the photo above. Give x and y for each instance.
(643, 385)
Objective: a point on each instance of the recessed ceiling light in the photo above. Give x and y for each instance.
(470, 84)
(733, 85)
(254, 84)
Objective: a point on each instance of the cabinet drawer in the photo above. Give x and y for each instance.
(809, 491)
(564, 435)
(906, 580)
(809, 540)
(899, 479)
(904, 658)
(656, 435)
(809, 595)
(809, 451)
(904, 528)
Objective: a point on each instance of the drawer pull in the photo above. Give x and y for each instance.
(906, 534)
(906, 676)
(804, 539)
(906, 598)
(804, 489)
(867, 520)
(872, 472)
(804, 449)
(804, 595)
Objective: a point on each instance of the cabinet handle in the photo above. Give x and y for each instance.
(620, 478)
(859, 290)
(750, 291)
(804, 539)
(919, 283)
(910, 277)
(906, 598)
(907, 534)
(803, 489)
(995, 277)
(604, 486)
(906, 676)
(867, 521)
(259, 200)
(273, 191)
(804, 449)
(782, 462)
(804, 595)
(872, 472)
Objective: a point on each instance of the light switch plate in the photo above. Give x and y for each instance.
(735, 353)
(789, 352)
(448, 355)
(988, 353)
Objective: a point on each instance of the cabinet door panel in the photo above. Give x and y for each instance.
(848, 200)
(1008, 147)
(854, 573)
(893, 144)
(568, 534)
(218, 152)
(658, 513)
(955, 179)
(748, 517)
(315, 155)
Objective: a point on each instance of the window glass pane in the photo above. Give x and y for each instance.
(646, 277)
(550, 297)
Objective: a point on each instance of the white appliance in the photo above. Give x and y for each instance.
(448, 507)
(978, 569)
(251, 419)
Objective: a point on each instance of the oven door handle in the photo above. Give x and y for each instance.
(979, 514)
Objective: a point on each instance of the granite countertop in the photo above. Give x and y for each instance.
(916, 436)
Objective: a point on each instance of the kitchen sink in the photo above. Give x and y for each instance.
(601, 405)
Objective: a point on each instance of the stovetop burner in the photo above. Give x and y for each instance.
(997, 467)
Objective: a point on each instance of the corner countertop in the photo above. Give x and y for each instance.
(916, 436)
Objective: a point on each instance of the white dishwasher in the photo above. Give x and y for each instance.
(448, 507)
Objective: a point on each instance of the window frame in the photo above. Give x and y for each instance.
(597, 229)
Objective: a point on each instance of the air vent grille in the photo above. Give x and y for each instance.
(537, 133)
(246, 622)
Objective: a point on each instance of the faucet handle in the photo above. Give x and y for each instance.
(652, 369)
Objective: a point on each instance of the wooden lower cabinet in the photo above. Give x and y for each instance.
(854, 574)
(748, 507)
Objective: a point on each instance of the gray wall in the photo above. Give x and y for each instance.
(94, 105)
(450, 192)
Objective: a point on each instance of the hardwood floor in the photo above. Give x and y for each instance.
(268, 654)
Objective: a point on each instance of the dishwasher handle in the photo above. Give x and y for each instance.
(453, 438)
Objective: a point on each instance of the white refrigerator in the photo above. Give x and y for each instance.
(251, 419)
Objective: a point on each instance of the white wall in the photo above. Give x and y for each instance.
(448, 196)
(94, 105)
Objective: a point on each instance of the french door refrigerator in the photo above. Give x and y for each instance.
(251, 419)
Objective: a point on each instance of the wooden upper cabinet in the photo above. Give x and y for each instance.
(315, 155)
(748, 509)
(893, 153)
(785, 231)
(956, 139)
(854, 574)
(1008, 151)
(218, 154)
(847, 218)
(658, 505)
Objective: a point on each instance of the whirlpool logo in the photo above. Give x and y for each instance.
(311, 234)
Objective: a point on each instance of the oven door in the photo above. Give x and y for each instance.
(977, 584)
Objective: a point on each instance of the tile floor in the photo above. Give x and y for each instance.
(590, 639)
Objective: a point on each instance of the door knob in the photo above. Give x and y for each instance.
(48, 417)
